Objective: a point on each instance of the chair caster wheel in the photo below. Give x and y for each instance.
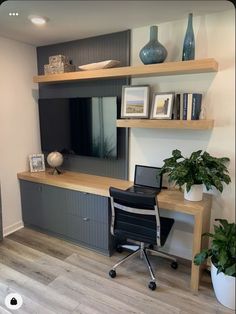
(152, 285)
(119, 249)
(112, 273)
(174, 265)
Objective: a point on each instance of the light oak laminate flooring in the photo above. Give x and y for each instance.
(55, 276)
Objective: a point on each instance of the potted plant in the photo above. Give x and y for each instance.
(200, 168)
(222, 253)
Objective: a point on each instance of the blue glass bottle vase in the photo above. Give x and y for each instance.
(189, 41)
(153, 51)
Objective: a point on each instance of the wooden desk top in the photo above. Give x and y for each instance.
(167, 199)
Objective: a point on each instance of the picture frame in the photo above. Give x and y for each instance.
(36, 162)
(162, 105)
(135, 101)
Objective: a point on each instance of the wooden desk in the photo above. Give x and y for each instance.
(168, 199)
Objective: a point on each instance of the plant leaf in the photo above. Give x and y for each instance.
(195, 155)
(231, 270)
(177, 154)
(201, 257)
(223, 222)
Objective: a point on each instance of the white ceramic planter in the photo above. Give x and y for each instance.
(224, 287)
(195, 193)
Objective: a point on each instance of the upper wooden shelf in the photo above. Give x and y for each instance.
(161, 69)
(165, 124)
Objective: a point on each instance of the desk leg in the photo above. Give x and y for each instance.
(201, 225)
(197, 235)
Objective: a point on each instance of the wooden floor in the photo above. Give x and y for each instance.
(54, 276)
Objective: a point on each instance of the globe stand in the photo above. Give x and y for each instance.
(56, 171)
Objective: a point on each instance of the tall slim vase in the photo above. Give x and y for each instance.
(153, 51)
(189, 41)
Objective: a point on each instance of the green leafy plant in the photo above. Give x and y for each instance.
(223, 248)
(199, 168)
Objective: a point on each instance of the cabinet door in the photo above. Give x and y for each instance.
(31, 202)
(54, 209)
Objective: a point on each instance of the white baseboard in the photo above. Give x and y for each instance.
(12, 228)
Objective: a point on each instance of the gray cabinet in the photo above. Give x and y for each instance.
(73, 215)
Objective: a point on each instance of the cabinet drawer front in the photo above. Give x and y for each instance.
(88, 231)
(88, 205)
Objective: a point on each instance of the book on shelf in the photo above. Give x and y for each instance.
(187, 106)
(181, 105)
(178, 107)
(196, 106)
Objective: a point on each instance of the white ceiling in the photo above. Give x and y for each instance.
(71, 20)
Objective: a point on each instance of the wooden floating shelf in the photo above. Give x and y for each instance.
(161, 69)
(165, 124)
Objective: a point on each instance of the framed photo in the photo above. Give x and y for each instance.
(36, 162)
(135, 102)
(162, 105)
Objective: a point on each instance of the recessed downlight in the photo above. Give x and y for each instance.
(38, 20)
(13, 14)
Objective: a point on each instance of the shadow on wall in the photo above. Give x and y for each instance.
(173, 134)
(201, 37)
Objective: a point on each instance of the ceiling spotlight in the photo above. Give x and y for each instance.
(38, 20)
(13, 14)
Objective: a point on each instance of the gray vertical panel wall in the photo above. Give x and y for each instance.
(112, 46)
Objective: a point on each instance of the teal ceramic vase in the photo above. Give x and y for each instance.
(189, 41)
(153, 51)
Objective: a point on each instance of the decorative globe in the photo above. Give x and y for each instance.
(55, 159)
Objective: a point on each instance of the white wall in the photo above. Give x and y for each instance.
(215, 38)
(19, 128)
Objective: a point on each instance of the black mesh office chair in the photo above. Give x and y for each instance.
(136, 217)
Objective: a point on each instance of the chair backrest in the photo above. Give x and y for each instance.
(135, 216)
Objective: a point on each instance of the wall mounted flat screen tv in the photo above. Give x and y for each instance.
(79, 126)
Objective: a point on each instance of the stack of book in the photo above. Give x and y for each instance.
(187, 106)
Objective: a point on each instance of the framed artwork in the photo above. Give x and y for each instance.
(135, 102)
(162, 105)
(36, 162)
